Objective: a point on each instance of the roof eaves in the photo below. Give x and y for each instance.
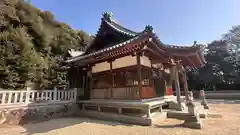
(120, 28)
(101, 51)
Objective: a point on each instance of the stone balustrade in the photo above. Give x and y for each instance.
(12, 97)
(25, 106)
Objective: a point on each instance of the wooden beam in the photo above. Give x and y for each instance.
(154, 52)
(199, 57)
(190, 61)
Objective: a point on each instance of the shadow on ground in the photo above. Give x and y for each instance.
(223, 101)
(169, 126)
(46, 126)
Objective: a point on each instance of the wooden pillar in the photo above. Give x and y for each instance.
(152, 72)
(111, 92)
(185, 84)
(177, 86)
(139, 70)
(151, 67)
(83, 80)
(89, 74)
(86, 85)
(77, 77)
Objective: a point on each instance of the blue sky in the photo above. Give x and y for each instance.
(175, 21)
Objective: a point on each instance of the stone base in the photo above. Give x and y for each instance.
(139, 120)
(181, 116)
(193, 122)
(194, 125)
(116, 117)
(176, 106)
(206, 107)
(204, 104)
(159, 117)
(203, 115)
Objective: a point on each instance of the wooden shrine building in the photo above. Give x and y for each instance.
(126, 65)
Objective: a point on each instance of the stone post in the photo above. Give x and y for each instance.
(99, 108)
(193, 120)
(75, 94)
(83, 107)
(119, 110)
(27, 95)
(203, 100)
(191, 108)
(190, 96)
(190, 104)
(160, 108)
(148, 112)
(55, 94)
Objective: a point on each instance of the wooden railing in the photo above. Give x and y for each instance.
(126, 93)
(115, 93)
(36, 96)
(103, 93)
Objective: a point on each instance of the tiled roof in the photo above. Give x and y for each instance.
(135, 40)
(111, 23)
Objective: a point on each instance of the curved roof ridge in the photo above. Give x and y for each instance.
(107, 17)
(119, 27)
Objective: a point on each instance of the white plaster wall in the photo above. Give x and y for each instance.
(124, 62)
(99, 67)
(145, 61)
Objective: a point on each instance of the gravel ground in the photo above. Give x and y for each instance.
(228, 123)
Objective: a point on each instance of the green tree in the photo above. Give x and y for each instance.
(33, 44)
